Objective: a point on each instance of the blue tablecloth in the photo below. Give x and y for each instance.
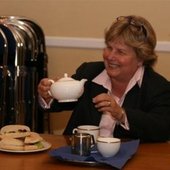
(127, 150)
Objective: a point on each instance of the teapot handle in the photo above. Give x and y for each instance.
(52, 81)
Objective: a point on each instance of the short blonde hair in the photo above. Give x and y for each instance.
(136, 32)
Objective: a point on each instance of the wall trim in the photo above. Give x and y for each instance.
(91, 43)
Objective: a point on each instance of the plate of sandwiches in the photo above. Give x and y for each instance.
(20, 139)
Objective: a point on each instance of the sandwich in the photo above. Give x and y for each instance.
(15, 131)
(9, 143)
(20, 138)
(33, 141)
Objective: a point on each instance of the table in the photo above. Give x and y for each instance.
(155, 156)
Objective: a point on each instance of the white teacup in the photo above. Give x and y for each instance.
(90, 129)
(108, 146)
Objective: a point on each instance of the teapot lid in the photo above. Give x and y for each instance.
(66, 78)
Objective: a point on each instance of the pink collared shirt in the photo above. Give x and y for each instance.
(107, 122)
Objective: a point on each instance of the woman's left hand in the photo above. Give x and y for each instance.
(106, 104)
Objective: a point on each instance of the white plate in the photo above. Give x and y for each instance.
(46, 147)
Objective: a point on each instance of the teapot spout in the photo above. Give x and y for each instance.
(82, 81)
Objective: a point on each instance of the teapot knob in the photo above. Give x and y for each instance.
(65, 75)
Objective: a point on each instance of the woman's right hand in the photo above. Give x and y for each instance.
(43, 88)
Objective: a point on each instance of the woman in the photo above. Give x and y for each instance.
(123, 94)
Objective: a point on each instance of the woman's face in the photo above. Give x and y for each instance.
(120, 61)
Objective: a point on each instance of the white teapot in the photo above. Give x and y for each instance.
(67, 89)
